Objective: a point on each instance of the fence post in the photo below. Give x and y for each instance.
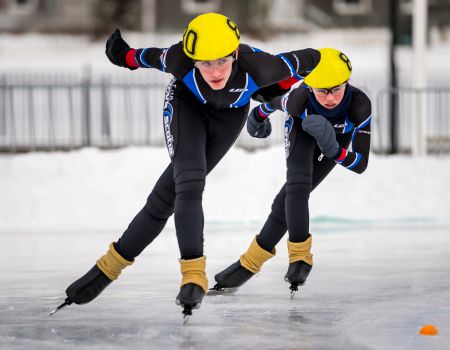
(13, 139)
(31, 119)
(393, 96)
(2, 105)
(419, 109)
(86, 104)
(51, 120)
(106, 122)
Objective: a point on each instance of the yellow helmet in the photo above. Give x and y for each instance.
(210, 36)
(334, 68)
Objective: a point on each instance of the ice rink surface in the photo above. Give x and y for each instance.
(370, 288)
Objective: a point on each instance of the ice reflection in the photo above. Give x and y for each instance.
(367, 290)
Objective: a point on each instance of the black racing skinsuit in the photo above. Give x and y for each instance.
(306, 166)
(200, 125)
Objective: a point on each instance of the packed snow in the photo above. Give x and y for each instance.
(101, 189)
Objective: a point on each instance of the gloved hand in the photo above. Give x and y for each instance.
(322, 130)
(268, 93)
(116, 49)
(257, 126)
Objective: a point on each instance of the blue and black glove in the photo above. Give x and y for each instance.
(322, 130)
(258, 126)
(117, 49)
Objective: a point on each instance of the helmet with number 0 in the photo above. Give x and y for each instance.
(210, 36)
(334, 68)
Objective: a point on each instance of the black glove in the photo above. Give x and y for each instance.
(268, 93)
(257, 126)
(322, 130)
(116, 50)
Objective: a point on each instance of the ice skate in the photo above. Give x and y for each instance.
(237, 274)
(89, 286)
(230, 279)
(193, 286)
(300, 264)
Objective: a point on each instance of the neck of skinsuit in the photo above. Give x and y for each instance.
(337, 112)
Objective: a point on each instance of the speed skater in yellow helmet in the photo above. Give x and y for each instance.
(334, 68)
(210, 36)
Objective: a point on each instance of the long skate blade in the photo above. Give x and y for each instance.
(186, 319)
(293, 288)
(63, 305)
(187, 313)
(292, 295)
(222, 291)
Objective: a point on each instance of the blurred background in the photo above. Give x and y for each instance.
(82, 145)
(59, 92)
(82, 142)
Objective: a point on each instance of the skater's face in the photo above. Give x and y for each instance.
(217, 72)
(330, 98)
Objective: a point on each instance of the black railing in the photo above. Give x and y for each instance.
(70, 112)
(434, 114)
(64, 112)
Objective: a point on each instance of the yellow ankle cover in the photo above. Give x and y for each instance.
(193, 271)
(300, 251)
(112, 263)
(255, 257)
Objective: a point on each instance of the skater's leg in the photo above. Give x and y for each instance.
(106, 270)
(194, 283)
(300, 241)
(222, 130)
(273, 229)
(242, 270)
(150, 221)
(275, 226)
(299, 184)
(147, 224)
(152, 218)
(143, 229)
(204, 137)
(299, 177)
(189, 164)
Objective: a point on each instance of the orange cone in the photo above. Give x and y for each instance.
(428, 329)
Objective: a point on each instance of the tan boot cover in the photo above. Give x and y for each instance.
(255, 257)
(300, 251)
(193, 271)
(112, 263)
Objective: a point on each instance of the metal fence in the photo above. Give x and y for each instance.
(69, 111)
(433, 105)
(41, 112)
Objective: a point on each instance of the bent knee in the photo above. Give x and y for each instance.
(299, 184)
(190, 183)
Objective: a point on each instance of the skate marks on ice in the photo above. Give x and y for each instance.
(367, 290)
(109, 325)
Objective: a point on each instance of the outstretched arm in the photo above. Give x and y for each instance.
(267, 69)
(268, 93)
(117, 50)
(169, 60)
